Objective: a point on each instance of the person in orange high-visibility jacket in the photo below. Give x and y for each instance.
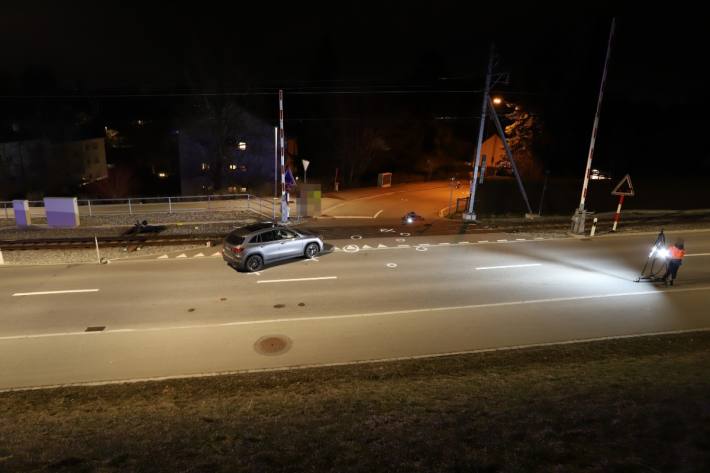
(675, 254)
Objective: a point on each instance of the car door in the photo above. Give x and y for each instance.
(290, 245)
(268, 245)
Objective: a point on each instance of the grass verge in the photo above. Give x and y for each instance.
(626, 405)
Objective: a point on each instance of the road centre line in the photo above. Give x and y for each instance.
(699, 254)
(264, 281)
(43, 293)
(481, 268)
(371, 314)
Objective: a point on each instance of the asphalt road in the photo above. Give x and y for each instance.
(192, 316)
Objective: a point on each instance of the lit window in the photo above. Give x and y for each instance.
(242, 145)
(243, 167)
(205, 166)
(232, 189)
(232, 167)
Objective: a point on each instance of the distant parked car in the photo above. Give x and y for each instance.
(251, 247)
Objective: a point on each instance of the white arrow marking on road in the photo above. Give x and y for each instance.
(366, 247)
(198, 255)
(377, 214)
(509, 266)
(163, 257)
(216, 254)
(264, 281)
(382, 246)
(182, 255)
(386, 230)
(73, 291)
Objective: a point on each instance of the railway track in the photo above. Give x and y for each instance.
(128, 241)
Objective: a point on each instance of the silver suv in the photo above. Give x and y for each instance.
(253, 246)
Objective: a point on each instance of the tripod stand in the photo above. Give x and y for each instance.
(658, 255)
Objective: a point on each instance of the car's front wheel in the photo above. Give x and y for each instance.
(254, 263)
(312, 250)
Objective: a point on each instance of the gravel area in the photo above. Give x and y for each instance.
(39, 257)
(204, 222)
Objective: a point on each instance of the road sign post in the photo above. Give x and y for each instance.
(305, 170)
(619, 190)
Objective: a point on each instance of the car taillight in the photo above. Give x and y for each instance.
(237, 249)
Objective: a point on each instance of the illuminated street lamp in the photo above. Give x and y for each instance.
(497, 101)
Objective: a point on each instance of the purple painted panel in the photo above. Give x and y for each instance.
(61, 211)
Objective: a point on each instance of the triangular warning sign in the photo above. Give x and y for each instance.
(621, 189)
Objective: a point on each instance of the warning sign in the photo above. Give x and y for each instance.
(624, 187)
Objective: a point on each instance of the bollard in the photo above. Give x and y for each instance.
(98, 255)
(594, 227)
(130, 209)
(2, 261)
(89, 201)
(170, 206)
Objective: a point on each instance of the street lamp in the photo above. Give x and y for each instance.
(497, 101)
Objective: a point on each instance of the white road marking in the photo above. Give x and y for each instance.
(405, 234)
(520, 239)
(216, 254)
(445, 243)
(198, 255)
(378, 214)
(480, 268)
(182, 255)
(502, 240)
(163, 257)
(356, 237)
(386, 230)
(463, 243)
(421, 248)
(391, 265)
(699, 254)
(366, 247)
(482, 241)
(400, 239)
(73, 291)
(351, 249)
(382, 246)
(351, 216)
(403, 246)
(264, 281)
(669, 293)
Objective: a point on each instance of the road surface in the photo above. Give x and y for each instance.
(370, 299)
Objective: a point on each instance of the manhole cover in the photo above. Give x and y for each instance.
(271, 345)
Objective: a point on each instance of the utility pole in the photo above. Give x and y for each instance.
(470, 214)
(580, 214)
(281, 137)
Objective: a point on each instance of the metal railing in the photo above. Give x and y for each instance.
(153, 205)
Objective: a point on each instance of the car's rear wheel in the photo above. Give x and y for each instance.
(312, 250)
(254, 263)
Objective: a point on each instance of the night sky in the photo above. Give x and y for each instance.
(655, 103)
